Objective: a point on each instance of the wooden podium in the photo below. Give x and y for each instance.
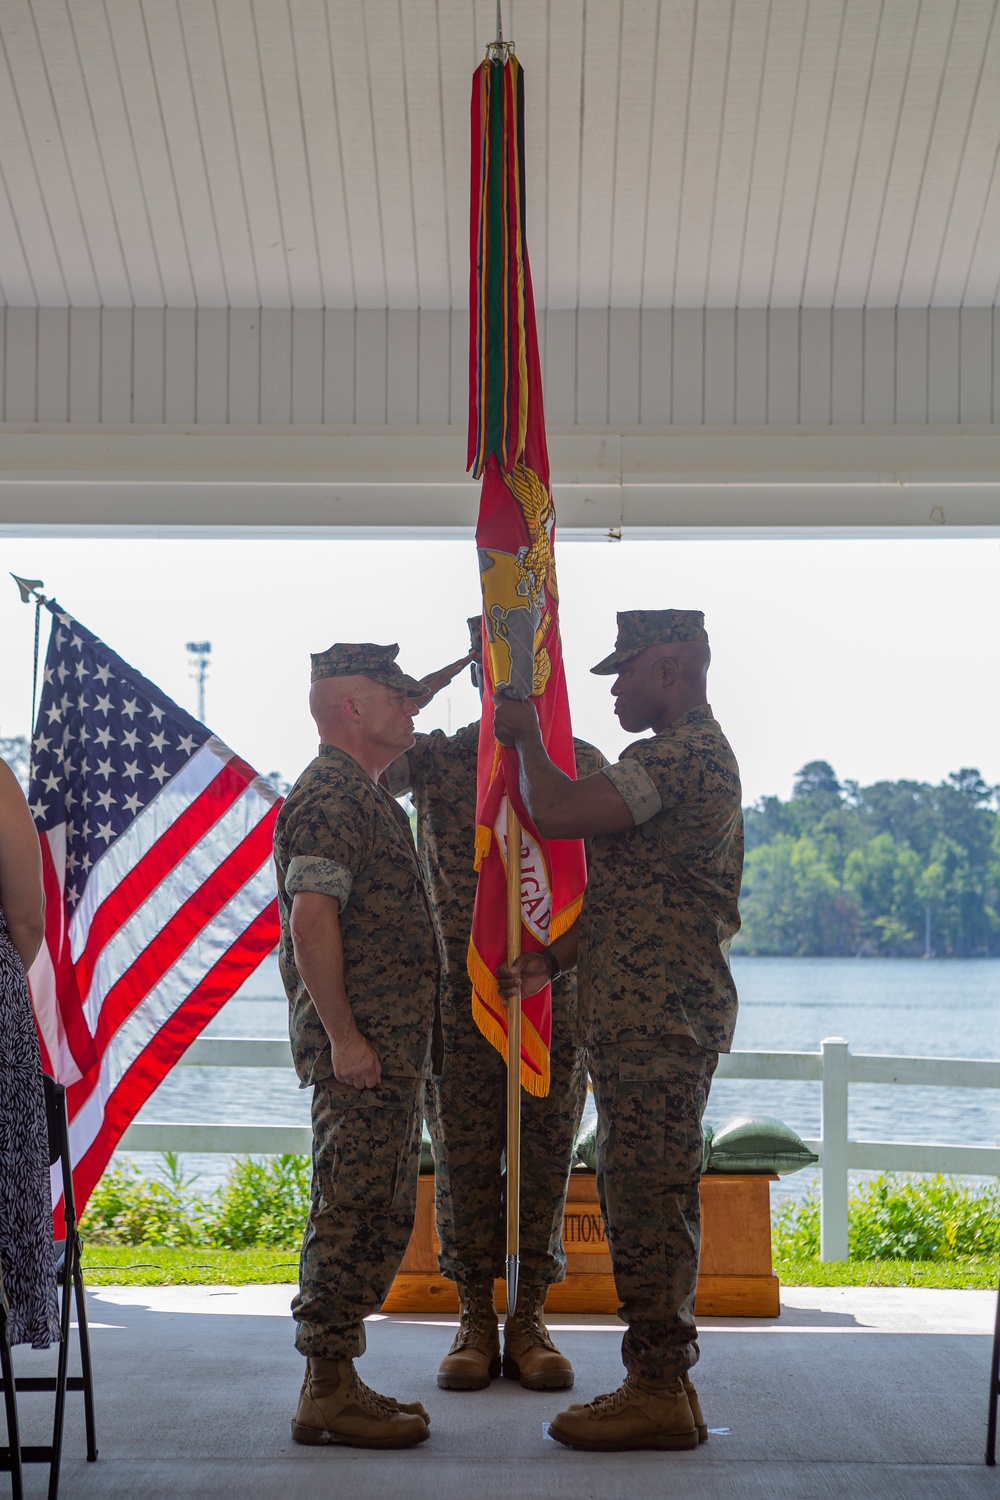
(735, 1278)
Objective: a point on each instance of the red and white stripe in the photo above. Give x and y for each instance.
(174, 917)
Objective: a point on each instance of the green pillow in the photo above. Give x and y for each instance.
(757, 1143)
(585, 1146)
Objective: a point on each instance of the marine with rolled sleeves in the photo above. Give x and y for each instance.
(657, 1000)
(359, 961)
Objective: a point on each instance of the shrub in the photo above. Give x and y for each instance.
(264, 1203)
(795, 1229)
(894, 1217)
(126, 1208)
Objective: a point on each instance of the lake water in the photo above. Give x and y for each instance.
(906, 1007)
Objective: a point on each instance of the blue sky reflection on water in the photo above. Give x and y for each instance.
(907, 1007)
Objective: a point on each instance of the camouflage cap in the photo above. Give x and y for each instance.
(351, 659)
(639, 628)
(475, 623)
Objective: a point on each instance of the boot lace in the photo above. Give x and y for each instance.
(473, 1327)
(613, 1401)
(372, 1401)
(476, 1319)
(529, 1321)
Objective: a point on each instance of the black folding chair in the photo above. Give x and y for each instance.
(70, 1278)
(10, 1457)
(991, 1424)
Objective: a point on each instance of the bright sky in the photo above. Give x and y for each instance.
(878, 656)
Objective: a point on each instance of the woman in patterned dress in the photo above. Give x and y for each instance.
(27, 1261)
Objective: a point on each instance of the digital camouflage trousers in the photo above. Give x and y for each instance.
(466, 1110)
(650, 1102)
(365, 1163)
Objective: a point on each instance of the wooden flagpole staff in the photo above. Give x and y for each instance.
(513, 1060)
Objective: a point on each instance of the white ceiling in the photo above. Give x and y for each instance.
(313, 153)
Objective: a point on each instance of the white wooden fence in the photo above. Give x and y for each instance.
(834, 1068)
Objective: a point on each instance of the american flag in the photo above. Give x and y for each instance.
(159, 886)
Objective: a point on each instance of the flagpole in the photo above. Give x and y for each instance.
(513, 1060)
(31, 589)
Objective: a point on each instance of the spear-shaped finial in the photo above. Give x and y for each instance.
(499, 51)
(30, 588)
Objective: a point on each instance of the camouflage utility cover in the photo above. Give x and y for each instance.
(641, 628)
(661, 908)
(363, 659)
(340, 835)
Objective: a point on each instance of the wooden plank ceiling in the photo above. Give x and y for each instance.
(313, 153)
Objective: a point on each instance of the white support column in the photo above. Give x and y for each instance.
(833, 1209)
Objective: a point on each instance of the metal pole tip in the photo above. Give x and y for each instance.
(27, 587)
(513, 1264)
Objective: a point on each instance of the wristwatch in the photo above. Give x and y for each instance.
(555, 967)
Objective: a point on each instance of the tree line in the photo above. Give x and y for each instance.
(900, 868)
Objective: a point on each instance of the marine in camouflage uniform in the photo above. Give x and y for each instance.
(466, 1106)
(657, 1005)
(341, 835)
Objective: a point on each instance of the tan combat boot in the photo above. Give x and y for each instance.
(529, 1355)
(640, 1414)
(474, 1358)
(335, 1406)
(701, 1425)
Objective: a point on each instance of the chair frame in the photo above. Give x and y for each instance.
(991, 1420)
(12, 1452)
(69, 1274)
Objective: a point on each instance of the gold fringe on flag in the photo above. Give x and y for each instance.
(535, 1082)
(484, 837)
(563, 920)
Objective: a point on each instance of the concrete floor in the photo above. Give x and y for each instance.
(850, 1393)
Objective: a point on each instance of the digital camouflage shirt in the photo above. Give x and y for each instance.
(341, 835)
(440, 771)
(660, 908)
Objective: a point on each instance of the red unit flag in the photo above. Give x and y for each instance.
(522, 653)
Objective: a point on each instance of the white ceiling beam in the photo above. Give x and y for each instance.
(413, 483)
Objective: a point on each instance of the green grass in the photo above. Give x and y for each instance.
(161, 1265)
(975, 1271)
(902, 1230)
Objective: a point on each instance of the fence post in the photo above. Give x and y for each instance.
(833, 1191)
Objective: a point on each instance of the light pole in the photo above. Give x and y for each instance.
(201, 655)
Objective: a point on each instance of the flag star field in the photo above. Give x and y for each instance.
(159, 884)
